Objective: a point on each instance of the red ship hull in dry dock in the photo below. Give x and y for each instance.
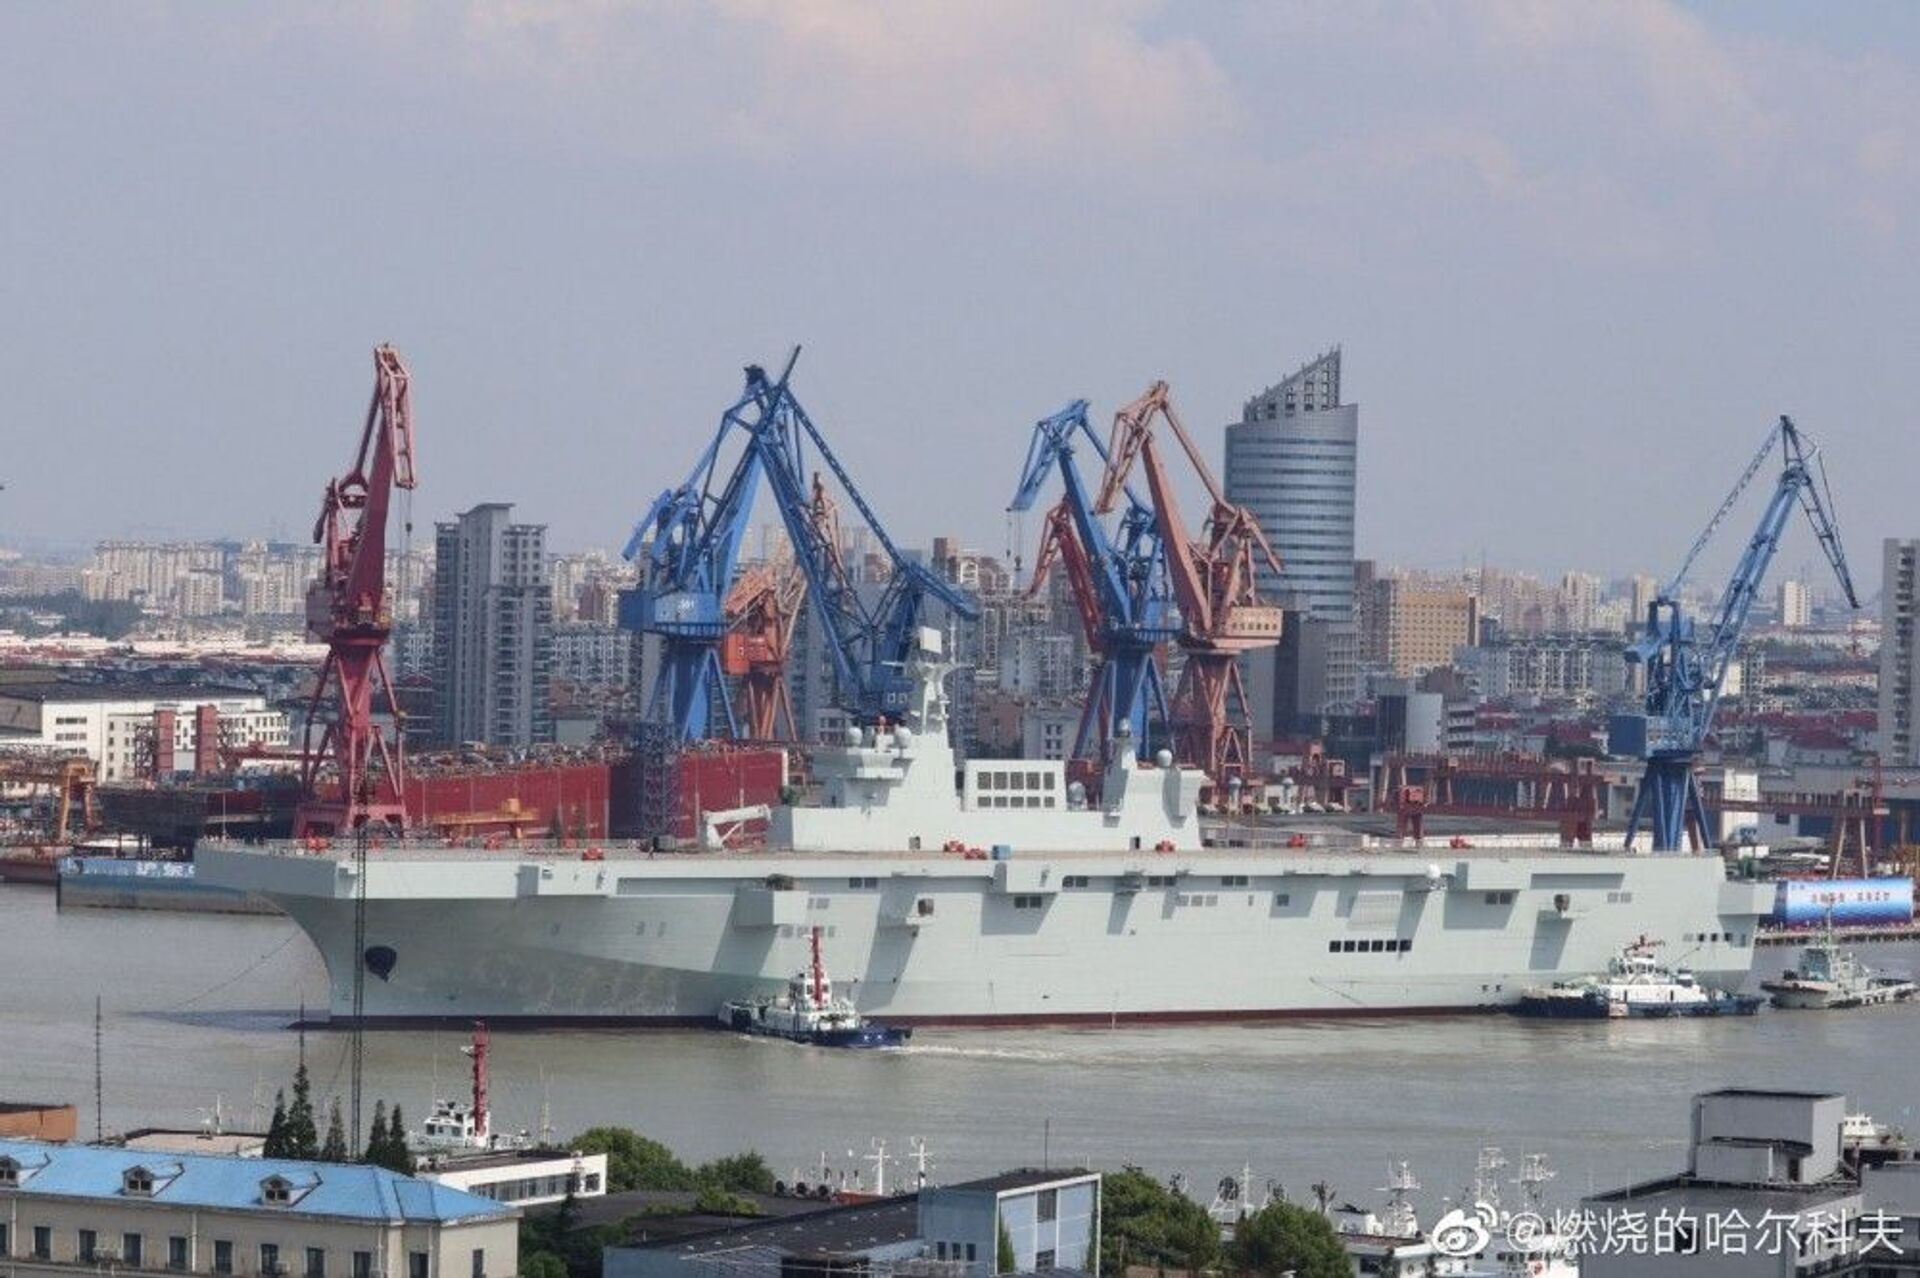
(585, 799)
(30, 865)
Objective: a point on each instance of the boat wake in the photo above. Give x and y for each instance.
(1034, 1055)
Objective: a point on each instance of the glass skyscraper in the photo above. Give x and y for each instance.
(1292, 459)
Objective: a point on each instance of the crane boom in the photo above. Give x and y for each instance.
(1686, 671)
(354, 774)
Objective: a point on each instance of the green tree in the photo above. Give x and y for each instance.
(1005, 1262)
(542, 1264)
(745, 1173)
(375, 1154)
(715, 1201)
(1282, 1238)
(387, 1141)
(303, 1138)
(1145, 1223)
(400, 1158)
(276, 1146)
(634, 1161)
(334, 1148)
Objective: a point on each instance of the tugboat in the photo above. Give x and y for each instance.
(809, 1012)
(1636, 984)
(457, 1127)
(1830, 978)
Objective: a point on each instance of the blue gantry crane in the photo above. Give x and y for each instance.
(689, 547)
(1686, 669)
(870, 628)
(690, 539)
(1120, 585)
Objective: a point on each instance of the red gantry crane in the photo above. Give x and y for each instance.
(1213, 579)
(762, 607)
(347, 610)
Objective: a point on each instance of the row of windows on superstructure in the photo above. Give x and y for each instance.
(514, 1191)
(997, 780)
(1375, 945)
(88, 1249)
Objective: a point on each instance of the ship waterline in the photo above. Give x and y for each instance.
(1101, 938)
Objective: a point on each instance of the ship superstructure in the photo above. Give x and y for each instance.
(1008, 898)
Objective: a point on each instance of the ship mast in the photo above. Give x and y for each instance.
(478, 1051)
(818, 972)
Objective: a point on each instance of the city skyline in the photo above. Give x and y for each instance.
(1592, 181)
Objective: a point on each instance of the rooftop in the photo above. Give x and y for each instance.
(1702, 1195)
(838, 1230)
(1315, 385)
(842, 1229)
(238, 1184)
(62, 690)
(1021, 1178)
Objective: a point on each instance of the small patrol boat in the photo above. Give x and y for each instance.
(810, 1012)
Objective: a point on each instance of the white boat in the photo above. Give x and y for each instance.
(1477, 1238)
(1829, 978)
(810, 1012)
(1007, 898)
(457, 1126)
(1636, 984)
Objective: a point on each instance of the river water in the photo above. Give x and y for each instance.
(195, 1010)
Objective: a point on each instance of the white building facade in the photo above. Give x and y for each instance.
(118, 727)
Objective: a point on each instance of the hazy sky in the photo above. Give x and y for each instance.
(1579, 255)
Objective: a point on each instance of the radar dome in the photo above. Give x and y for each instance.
(903, 736)
(1163, 758)
(853, 734)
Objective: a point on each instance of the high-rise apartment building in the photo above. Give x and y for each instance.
(492, 630)
(1641, 590)
(1796, 604)
(1292, 459)
(1899, 655)
(1416, 628)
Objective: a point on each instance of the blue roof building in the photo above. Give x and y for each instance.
(62, 1205)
